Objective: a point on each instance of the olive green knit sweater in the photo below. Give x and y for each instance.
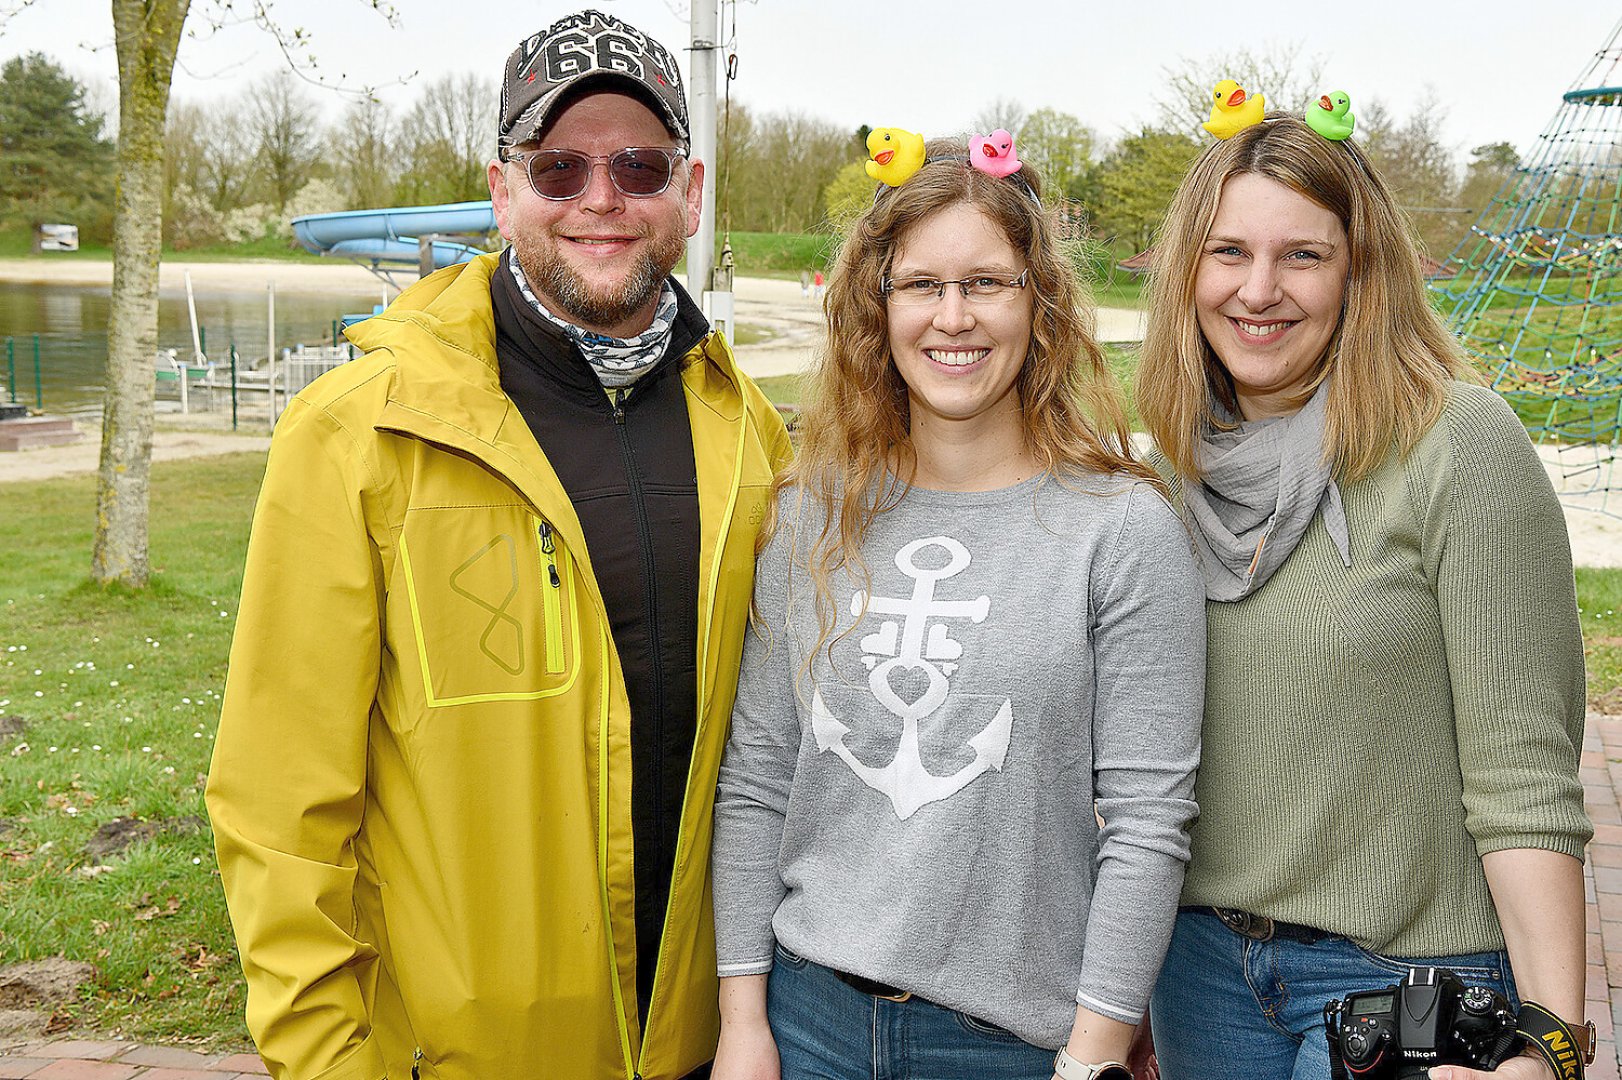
(1371, 732)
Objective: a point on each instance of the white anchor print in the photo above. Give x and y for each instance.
(915, 645)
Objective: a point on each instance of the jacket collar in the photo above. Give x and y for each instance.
(447, 388)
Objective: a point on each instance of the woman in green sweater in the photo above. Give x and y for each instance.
(1395, 693)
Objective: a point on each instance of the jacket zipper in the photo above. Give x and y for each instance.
(645, 539)
(552, 600)
(705, 618)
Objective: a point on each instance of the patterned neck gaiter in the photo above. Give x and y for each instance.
(618, 362)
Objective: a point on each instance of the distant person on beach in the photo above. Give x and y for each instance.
(805, 283)
(816, 284)
(490, 626)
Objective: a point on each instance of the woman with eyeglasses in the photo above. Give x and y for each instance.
(977, 621)
(1395, 695)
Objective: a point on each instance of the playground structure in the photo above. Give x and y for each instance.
(1536, 296)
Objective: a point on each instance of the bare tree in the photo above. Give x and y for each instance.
(361, 147)
(780, 165)
(146, 37)
(1278, 72)
(1004, 112)
(1419, 167)
(218, 150)
(287, 140)
(448, 138)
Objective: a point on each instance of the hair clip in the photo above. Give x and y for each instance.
(1233, 110)
(1330, 116)
(994, 154)
(896, 154)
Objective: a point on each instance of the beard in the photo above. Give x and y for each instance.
(557, 283)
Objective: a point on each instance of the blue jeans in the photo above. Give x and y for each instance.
(1224, 1000)
(826, 1030)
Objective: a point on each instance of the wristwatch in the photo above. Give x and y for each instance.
(1069, 1068)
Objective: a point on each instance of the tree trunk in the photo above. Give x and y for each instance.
(148, 35)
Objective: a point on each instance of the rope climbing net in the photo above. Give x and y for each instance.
(1536, 291)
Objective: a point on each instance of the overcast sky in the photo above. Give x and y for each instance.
(928, 65)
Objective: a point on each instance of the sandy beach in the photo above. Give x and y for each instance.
(792, 322)
(286, 276)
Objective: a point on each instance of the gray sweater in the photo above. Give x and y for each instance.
(920, 809)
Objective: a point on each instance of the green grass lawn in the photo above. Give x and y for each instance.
(1599, 598)
(119, 695)
(16, 243)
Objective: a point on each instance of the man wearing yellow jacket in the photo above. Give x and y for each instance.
(490, 625)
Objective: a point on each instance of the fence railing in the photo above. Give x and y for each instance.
(11, 374)
(210, 386)
(199, 383)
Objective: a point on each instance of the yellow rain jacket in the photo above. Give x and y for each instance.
(421, 787)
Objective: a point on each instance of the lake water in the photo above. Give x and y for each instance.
(71, 322)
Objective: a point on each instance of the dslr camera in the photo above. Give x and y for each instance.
(1430, 1018)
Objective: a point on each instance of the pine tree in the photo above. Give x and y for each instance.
(54, 161)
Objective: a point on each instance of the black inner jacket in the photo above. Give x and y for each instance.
(628, 468)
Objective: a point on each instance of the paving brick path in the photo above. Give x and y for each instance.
(80, 1059)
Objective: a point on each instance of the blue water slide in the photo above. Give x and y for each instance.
(390, 235)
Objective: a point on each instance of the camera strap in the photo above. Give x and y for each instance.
(1566, 1051)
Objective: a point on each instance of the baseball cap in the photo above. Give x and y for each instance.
(586, 46)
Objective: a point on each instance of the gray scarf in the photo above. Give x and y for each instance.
(618, 362)
(1262, 484)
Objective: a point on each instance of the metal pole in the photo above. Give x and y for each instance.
(233, 386)
(11, 371)
(39, 392)
(705, 19)
(334, 333)
(270, 355)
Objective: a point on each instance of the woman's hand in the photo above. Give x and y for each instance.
(1141, 1057)
(747, 1051)
(1524, 1067)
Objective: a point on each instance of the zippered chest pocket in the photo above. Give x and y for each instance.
(491, 601)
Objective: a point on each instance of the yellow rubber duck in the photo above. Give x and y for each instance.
(896, 153)
(1232, 110)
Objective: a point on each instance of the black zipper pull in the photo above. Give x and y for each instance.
(548, 547)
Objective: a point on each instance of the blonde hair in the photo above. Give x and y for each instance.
(1390, 354)
(856, 421)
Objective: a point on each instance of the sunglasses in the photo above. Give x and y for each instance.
(638, 172)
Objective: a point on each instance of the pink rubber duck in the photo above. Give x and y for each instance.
(994, 153)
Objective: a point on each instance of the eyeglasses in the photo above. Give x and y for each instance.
(639, 172)
(980, 289)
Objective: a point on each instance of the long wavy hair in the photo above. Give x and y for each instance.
(1390, 355)
(853, 461)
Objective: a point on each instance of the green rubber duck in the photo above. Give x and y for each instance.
(1329, 116)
